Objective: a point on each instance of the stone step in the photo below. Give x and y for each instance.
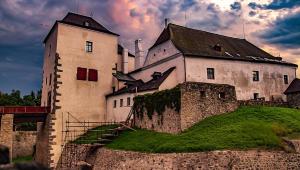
(109, 135)
(101, 140)
(98, 144)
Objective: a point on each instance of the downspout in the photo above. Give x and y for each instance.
(184, 68)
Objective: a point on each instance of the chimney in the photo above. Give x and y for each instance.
(139, 54)
(166, 22)
(125, 61)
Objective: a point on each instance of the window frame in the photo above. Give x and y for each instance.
(115, 104)
(121, 102)
(89, 46)
(210, 73)
(286, 79)
(128, 101)
(255, 75)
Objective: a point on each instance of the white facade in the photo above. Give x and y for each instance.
(240, 74)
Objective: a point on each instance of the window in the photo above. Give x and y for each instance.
(128, 101)
(286, 79)
(81, 73)
(50, 79)
(256, 96)
(221, 95)
(86, 24)
(210, 73)
(49, 50)
(46, 80)
(89, 47)
(121, 102)
(255, 76)
(93, 75)
(115, 103)
(202, 94)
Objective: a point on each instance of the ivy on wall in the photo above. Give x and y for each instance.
(157, 102)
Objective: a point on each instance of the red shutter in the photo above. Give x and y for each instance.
(81, 73)
(93, 75)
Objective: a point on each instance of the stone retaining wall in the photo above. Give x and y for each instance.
(198, 101)
(23, 143)
(222, 160)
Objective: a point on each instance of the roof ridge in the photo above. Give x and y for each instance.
(194, 29)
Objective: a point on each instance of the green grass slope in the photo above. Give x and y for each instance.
(248, 127)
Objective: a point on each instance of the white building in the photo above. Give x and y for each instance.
(200, 56)
(88, 74)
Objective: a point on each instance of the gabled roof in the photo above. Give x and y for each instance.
(79, 21)
(294, 87)
(197, 43)
(120, 51)
(140, 86)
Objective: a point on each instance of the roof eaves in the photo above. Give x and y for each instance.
(239, 59)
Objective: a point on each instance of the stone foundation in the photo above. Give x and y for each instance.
(253, 159)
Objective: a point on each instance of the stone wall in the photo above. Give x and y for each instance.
(169, 122)
(254, 159)
(198, 101)
(6, 131)
(23, 143)
(202, 100)
(294, 100)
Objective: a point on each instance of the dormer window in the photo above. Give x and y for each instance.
(86, 23)
(156, 75)
(218, 47)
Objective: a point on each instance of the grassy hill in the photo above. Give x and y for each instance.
(248, 127)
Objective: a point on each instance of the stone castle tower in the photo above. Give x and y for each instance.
(77, 74)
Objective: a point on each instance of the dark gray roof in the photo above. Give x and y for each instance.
(294, 87)
(79, 20)
(123, 77)
(120, 51)
(197, 43)
(140, 86)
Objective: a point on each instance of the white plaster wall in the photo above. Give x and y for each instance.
(177, 62)
(169, 82)
(161, 51)
(85, 100)
(239, 74)
(48, 67)
(119, 114)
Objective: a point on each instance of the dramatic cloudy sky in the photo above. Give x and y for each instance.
(273, 25)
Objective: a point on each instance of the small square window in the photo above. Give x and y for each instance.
(221, 95)
(202, 94)
(210, 73)
(128, 101)
(255, 75)
(86, 24)
(89, 47)
(256, 96)
(121, 102)
(286, 79)
(115, 103)
(81, 73)
(93, 75)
